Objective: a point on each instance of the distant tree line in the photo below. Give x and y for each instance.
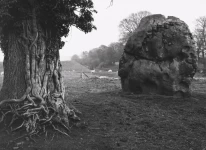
(100, 57)
(199, 35)
(104, 56)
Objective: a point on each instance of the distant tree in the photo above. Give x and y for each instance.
(200, 35)
(128, 25)
(118, 47)
(199, 43)
(75, 58)
(84, 59)
(110, 56)
(94, 60)
(101, 51)
(102, 56)
(30, 38)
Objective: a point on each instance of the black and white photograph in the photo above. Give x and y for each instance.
(102, 75)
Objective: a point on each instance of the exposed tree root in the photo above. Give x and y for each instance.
(35, 117)
(42, 105)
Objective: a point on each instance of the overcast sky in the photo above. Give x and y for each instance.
(108, 18)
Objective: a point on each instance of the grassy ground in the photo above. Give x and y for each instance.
(113, 120)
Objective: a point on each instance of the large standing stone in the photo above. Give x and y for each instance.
(159, 58)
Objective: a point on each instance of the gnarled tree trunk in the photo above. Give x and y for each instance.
(33, 82)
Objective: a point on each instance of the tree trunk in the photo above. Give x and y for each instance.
(33, 79)
(198, 53)
(14, 70)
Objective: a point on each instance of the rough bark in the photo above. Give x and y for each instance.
(14, 69)
(33, 82)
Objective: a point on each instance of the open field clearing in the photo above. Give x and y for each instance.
(112, 120)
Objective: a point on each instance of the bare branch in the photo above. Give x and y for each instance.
(200, 35)
(128, 25)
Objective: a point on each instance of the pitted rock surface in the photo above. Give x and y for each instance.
(159, 58)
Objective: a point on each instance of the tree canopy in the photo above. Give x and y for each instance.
(31, 34)
(54, 16)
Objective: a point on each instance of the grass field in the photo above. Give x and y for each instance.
(113, 120)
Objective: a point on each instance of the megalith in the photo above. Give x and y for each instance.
(159, 58)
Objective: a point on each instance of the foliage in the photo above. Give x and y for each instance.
(128, 25)
(75, 58)
(55, 17)
(30, 35)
